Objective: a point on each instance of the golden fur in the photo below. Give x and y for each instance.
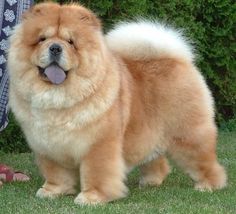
(112, 113)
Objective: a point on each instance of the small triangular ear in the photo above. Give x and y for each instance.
(39, 9)
(27, 13)
(31, 12)
(89, 18)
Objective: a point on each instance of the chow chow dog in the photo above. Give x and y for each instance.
(94, 106)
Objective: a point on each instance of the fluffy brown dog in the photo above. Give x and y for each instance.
(95, 106)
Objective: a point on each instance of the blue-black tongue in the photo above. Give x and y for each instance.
(55, 74)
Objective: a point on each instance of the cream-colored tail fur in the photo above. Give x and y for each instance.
(148, 40)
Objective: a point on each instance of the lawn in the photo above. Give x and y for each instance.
(176, 195)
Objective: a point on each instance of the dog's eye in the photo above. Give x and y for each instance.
(42, 39)
(70, 42)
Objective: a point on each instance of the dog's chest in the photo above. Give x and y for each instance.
(54, 136)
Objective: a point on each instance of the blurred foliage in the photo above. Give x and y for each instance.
(209, 24)
(12, 138)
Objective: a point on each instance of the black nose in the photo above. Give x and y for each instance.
(55, 49)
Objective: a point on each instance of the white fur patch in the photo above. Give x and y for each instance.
(148, 40)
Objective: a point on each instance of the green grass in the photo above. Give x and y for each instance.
(176, 195)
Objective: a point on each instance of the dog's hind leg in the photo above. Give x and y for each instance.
(196, 154)
(154, 172)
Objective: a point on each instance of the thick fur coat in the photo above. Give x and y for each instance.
(129, 98)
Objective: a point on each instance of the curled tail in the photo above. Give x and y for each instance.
(148, 40)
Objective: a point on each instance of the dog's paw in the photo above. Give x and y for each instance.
(90, 198)
(43, 193)
(150, 181)
(203, 187)
(48, 191)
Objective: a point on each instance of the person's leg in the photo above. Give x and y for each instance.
(10, 13)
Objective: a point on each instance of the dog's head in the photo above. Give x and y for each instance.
(57, 48)
(55, 37)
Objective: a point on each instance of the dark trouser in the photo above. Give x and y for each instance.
(10, 12)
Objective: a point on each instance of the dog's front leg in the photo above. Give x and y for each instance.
(102, 174)
(58, 179)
